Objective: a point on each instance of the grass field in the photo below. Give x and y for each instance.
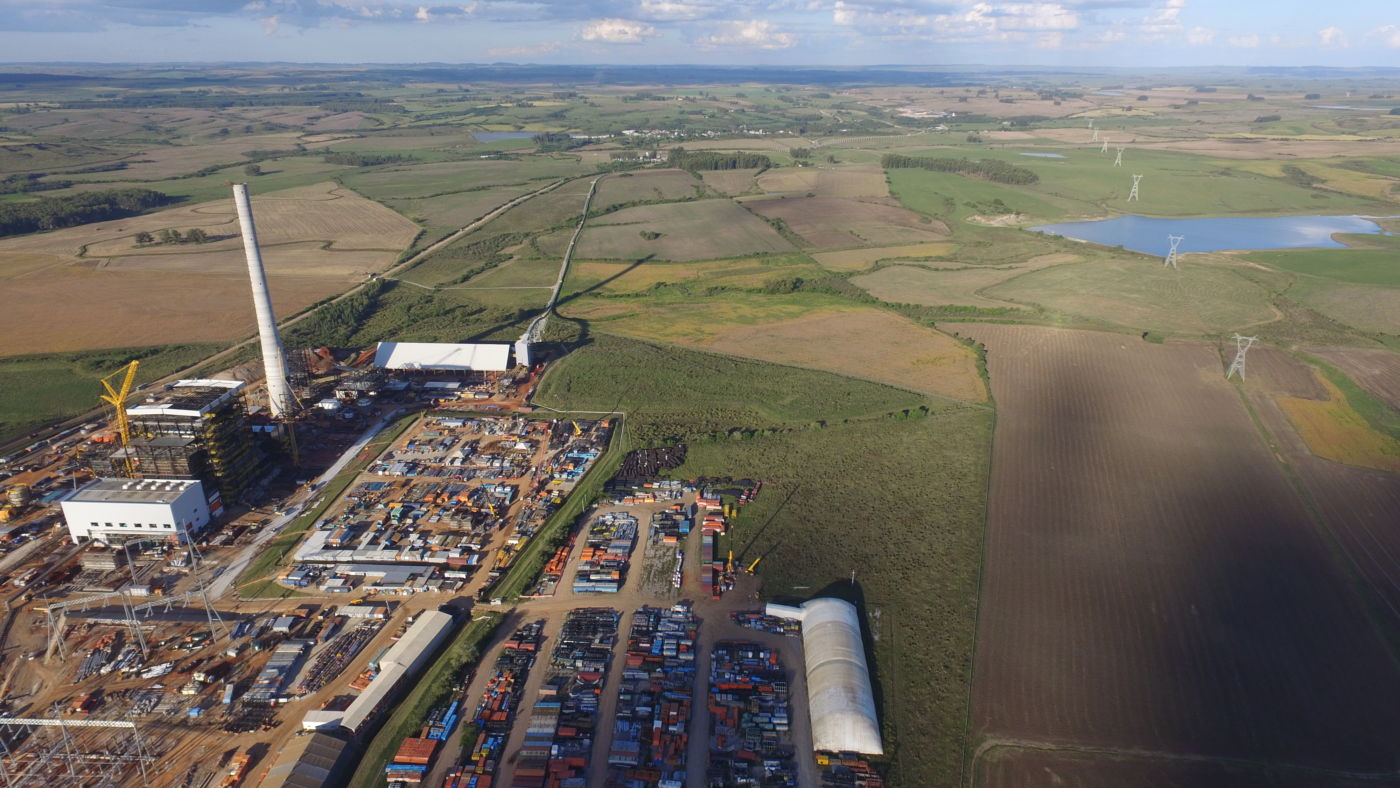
(617, 277)
(1358, 266)
(697, 318)
(942, 286)
(905, 495)
(647, 186)
(688, 231)
(1142, 294)
(1368, 308)
(1334, 430)
(860, 180)
(38, 389)
(730, 182)
(837, 223)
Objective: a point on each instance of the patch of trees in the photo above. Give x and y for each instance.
(1312, 96)
(716, 160)
(365, 104)
(1395, 111)
(1300, 177)
(988, 169)
(49, 213)
(23, 183)
(1268, 119)
(548, 141)
(193, 235)
(364, 159)
(208, 99)
(800, 153)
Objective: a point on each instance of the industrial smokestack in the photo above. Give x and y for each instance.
(279, 395)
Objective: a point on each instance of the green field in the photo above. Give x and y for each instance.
(851, 483)
(1358, 266)
(39, 389)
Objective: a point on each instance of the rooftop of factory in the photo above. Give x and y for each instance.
(442, 356)
(132, 491)
(194, 397)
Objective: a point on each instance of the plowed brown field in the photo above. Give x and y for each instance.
(1152, 581)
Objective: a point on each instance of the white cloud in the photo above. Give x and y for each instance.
(1389, 35)
(616, 31)
(1200, 37)
(1050, 41)
(270, 25)
(1164, 19)
(1250, 41)
(749, 34)
(843, 14)
(674, 10)
(1332, 37)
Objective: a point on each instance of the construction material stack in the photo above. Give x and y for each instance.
(650, 734)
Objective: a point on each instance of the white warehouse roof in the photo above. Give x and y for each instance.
(443, 356)
(403, 659)
(839, 699)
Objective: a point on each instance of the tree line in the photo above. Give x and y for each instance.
(49, 213)
(716, 160)
(989, 169)
(364, 159)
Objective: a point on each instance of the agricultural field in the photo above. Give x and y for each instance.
(686, 232)
(616, 277)
(861, 259)
(835, 223)
(1127, 588)
(1371, 309)
(647, 186)
(1357, 266)
(861, 180)
(1376, 371)
(731, 183)
(317, 241)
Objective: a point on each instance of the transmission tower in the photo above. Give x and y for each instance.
(1242, 345)
(1118, 162)
(1095, 138)
(1104, 149)
(1091, 123)
(1133, 195)
(1172, 257)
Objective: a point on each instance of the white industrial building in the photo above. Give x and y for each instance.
(443, 356)
(839, 698)
(119, 510)
(401, 663)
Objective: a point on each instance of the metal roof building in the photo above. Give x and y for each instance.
(309, 761)
(443, 357)
(839, 698)
(401, 662)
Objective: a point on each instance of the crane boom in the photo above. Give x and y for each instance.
(116, 396)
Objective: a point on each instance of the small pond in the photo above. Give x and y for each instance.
(1144, 234)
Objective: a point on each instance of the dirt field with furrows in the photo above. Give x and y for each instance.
(871, 344)
(91, 287)
(1152, 581)
(1377, 371)
(861, 180)
(645, 186)
(834, 223)
(1079, 770)
(1357, 505)
(688, 232)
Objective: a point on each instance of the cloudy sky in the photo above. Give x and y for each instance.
(813, 32)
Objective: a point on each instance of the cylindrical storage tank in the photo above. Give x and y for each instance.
(18, 495)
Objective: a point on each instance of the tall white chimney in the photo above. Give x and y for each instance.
(279, 395)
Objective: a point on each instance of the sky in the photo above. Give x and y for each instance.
(709, 32)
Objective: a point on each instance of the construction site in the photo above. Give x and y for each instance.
(246, 576)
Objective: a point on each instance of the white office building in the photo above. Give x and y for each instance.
(121, 510)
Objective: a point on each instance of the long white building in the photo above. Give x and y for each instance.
(839, 698)
(118, 510)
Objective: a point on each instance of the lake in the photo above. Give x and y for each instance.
(1045, 155)
(1143, 234)
(493, 136)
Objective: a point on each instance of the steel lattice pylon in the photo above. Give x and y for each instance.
(1242, 345)
(1133, 195)
(1172, 257)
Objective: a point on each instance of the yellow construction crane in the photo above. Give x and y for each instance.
(577, 430)
(116, 395)
(754, 564)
